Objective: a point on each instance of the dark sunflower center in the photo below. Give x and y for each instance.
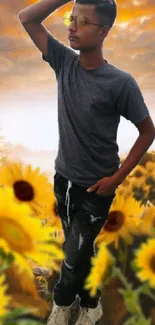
(115, 221)
(23, 190)
(152, 263)
(150, 181)
(138, 173)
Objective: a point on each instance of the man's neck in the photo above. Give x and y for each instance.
(91, 61)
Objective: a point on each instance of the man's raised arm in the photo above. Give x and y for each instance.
(31, 18)
(37, 12)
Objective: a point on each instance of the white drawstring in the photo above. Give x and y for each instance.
(67, 202)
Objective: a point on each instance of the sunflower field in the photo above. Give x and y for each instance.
(31, 252)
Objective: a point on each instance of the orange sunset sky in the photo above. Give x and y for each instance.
(130, 45)
(28, 84)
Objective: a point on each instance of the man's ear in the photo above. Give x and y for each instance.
(104, 32)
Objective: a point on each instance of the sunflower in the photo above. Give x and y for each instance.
(147, 220)
(53, 216)
(138, 172)
(123, 220)
(56, 225)
(145, 262)
(140, 188)
(150, 168)
(22, 272)
(100, 266)
(125, 188)
(29, 186)
(53, 220)
(4, 299)
(24, 235)
(19, 261)
(137, 183)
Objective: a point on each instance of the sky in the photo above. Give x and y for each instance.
(28, 88)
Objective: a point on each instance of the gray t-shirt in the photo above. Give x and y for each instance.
(90, 103)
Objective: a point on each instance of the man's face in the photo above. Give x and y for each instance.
(89, 36)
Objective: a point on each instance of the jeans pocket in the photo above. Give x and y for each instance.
(60, 186)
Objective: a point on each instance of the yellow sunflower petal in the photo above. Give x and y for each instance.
(147, 220)
(6, 176)
(4, 299)
(100, 264)
(16, 170)
(145, 261)
(25, 235)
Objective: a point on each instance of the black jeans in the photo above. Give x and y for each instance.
(82, 215)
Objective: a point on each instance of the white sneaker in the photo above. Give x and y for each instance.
(59, 315)
(89, 316)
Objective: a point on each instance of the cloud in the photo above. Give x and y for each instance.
(129, 45)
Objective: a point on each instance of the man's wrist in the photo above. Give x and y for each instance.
(118, 177)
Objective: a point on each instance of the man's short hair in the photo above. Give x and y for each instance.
(106, 10)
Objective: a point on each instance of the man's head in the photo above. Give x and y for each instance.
(99, 16)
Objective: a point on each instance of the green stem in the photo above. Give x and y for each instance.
(125, 257)
(135, 299)
(141, 290)
(123, 279)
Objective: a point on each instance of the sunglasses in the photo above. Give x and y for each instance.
(80, 20)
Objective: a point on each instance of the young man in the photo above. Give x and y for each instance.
(92, 95)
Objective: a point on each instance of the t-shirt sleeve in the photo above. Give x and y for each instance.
(131, 103)
(56, 55)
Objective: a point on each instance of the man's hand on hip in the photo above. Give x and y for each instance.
(105, 186)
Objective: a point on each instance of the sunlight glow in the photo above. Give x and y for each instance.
(139, 2)
(123, 25)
